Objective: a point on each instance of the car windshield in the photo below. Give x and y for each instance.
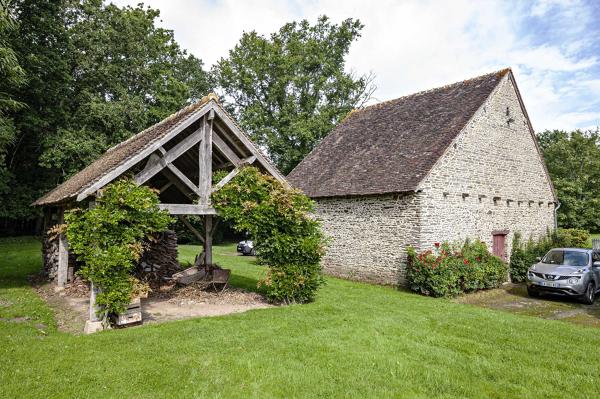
(568, 258)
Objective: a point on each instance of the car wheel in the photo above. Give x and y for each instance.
(532, 293)
(253, 252)
(590, 294)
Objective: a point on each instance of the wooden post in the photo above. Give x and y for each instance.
(93, 308)
(208, 232)
(63, 253)
(205, 163)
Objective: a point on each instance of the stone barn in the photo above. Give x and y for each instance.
(456, 162)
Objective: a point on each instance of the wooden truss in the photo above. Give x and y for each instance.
(207, 139)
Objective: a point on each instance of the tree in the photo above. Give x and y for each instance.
(573, 160)
(11, 77)
(127, 75)
(289, 90)
(96, 75)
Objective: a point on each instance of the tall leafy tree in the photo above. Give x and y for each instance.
(96, 74)
(11, 77)
(127, 74)
(573, 160)
(41, 45)
(290, 89)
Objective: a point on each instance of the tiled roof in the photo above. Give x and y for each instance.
(390, 147)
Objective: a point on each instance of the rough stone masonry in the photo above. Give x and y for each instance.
(490, 178)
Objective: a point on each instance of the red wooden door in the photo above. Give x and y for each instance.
(498, 245)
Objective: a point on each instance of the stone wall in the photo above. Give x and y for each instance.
(368, 236)
(490, 179)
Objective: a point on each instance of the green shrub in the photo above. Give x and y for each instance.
(525, 254)
(571, 238)
(108, 238)
(287, 239)
(453, 269)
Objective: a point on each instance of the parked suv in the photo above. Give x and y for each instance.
(570, 272)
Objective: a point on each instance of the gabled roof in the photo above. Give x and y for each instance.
(118, 159)
(390, 147)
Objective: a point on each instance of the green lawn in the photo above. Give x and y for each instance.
(356, 340)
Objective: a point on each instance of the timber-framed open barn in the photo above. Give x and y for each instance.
(176, 156)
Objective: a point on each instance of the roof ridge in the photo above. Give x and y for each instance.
(500, 72)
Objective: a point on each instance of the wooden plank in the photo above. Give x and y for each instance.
(183, 178)
(191, 228)
(205, 164)
(156, 164)
(242, 137)
(187, 209)
(233, 173)
(225, 150)
(119, 170)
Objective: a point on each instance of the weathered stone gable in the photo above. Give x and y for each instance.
(491, 178)
(368, 236)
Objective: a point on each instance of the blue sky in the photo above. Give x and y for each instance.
(553, 46)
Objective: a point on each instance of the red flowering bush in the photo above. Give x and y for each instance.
(451, 269)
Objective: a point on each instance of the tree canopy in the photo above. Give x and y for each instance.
(95, 75)
(573, 160)
(290, 89)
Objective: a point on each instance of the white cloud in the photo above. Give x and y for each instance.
(415, 45)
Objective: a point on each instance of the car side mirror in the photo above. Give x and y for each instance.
(538, 258)
(596, 264)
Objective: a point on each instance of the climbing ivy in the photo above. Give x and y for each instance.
(287, 239)
(108, 237)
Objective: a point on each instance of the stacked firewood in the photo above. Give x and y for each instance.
(50, 255)
(160, 257)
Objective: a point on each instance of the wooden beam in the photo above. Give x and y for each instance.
(63, 253)
(157, 164)
(221, 129)
(225, 149)
(165, 187)
(191, 228)
(187, 209)
(216, 221)
(251, 147)
(205, 164)
(183, 178)
(119, 170)
(208, 230)
(234, 173)
(177, 183)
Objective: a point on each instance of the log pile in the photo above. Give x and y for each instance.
(50, 257)
(160, 258)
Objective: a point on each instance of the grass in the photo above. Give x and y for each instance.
(355, 340)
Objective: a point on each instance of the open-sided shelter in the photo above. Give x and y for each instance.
(176, 156)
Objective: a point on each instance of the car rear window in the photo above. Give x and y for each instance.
(569, 258)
